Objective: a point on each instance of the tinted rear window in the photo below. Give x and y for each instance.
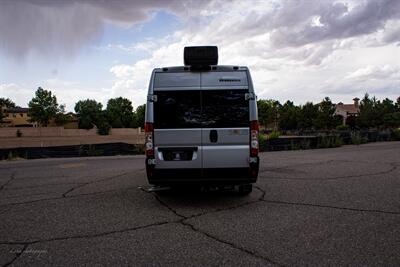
(196, 109)
(225, 108)
(177, 109)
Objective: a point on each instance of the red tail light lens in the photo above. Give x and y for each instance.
(149, 146)
(254, 138)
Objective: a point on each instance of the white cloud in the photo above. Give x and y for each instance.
(69, 93)
(299, 50)
(380, 80)
(305, 70)
(385, 72)
(63, 28)
(122, 71)
(17, 93)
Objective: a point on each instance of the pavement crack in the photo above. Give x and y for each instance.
(232, 245)
(330, 207)
(163, 203)
(92, 182)
(5, 210)
(261, 198)
(8, 181)
(262, 191)
(40, 186)
(184, 222)
(17, 255)
(169, 207)
(85, 236)
(222, 209)
(66, 197)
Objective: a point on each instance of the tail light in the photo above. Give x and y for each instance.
(149, 145)
(254, 138)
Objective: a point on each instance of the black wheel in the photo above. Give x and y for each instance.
(245, 189)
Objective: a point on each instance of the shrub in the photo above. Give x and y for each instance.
(303, 144)
(13, 155)
(357, 139)
(337, 141)
(329, 141)
(103, 128)
(274, 135)
(140, 149)
(19, 133)
(262, 140)
(324, 142)
(343, 128)
(396, 134)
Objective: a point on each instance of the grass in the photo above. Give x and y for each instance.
(357, 139)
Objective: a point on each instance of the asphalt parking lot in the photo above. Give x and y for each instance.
(314, 207)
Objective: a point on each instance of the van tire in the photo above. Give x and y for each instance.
(245, 189)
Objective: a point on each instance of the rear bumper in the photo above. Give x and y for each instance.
(202, 176)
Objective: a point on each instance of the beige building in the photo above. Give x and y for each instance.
(17, 117)
(348, 110)
(72, 122)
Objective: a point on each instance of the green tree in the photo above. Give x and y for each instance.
(61, 117)
(398, 104)
(391, 120)
(288, 116)
(386, 117)
(43, 106)
(103, 126)
(139, 116)
(268, 112)
(89, 113)
(368, 113)
(307, 114)
(120, 112)
(4, 104)
(325, 118)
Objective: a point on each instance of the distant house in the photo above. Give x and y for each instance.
(348, 111)
(70, 121)
(17, 117)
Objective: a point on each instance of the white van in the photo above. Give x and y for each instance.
(201, 123)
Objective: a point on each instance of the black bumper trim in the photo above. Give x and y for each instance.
(200, 176)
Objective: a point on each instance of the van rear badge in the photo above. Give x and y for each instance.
(229, 80)
(250, 96)
(152, 98)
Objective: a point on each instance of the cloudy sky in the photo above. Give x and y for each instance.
(297, 50)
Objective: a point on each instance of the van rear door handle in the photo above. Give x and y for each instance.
(213, 136)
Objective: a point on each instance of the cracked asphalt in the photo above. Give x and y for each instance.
(326, 207)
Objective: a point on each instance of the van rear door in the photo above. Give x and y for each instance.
(177, 121)
(225, 117)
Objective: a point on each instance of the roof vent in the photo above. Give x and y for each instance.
(200, 56)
